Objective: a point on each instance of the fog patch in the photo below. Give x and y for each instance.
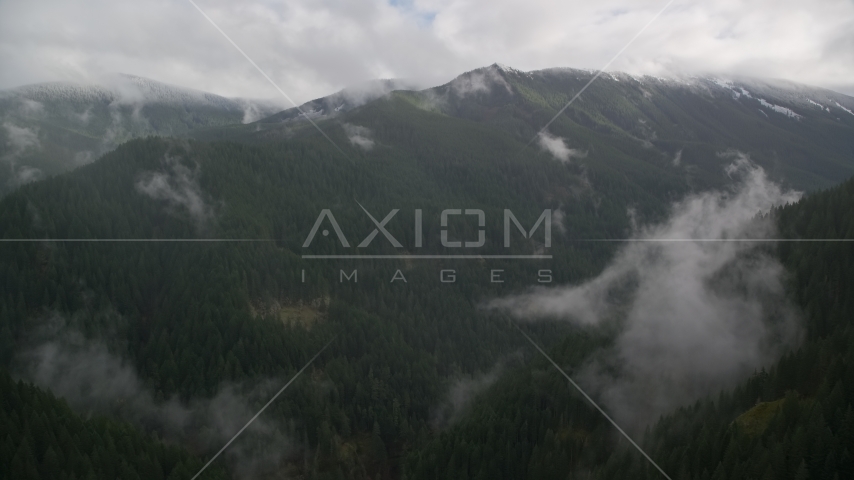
(123, 127)
(20, 141)
(557, 147)
(359, 136)
(559, 219)
(677, 158)
(645, 143)
(582, 186)
(432, 101)
(258, 109)
(83, 158)
(347, 99)
(125, 89)
(360, 94)
(177, 186)
(251, 113)
(85, 116)
(26, 174)
(95, 381)
(30, 108)
(462, 393)
(479, 81)
(693, 317)
(21, 138)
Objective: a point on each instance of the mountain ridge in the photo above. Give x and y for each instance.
(689, 124)
(393, 397)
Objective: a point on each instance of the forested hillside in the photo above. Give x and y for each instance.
(801, 135)
(51, 128)
(185, 267)
(794, 420)
(194, 315)
(45, 439)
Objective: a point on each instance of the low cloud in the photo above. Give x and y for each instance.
(359, 136)
(557, 147)
(692, 317)
(462, 393)
(25, 174)
(83, 158)
(21, 138)
(177, 185)
(30, 108)
(19, 141)
(481, 80)
(677, 158)
(94, 380)
(251, 112)
(85, 116)
(362, 93)
(123, 127)
(255, 109)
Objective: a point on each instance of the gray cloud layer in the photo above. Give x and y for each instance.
(693, 317)
(312, 48)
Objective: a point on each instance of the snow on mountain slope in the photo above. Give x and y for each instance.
(124, 89)
(343, 100)
(796, 131)
(75, 123)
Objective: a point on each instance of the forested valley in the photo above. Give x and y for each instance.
(154, 300)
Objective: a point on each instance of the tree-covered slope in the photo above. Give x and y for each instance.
(794, 420)
(50, 128)
(195, 315)
(193, 312)
(45, 439)
(801, 135)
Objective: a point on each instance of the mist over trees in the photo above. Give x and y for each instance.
(161, 350)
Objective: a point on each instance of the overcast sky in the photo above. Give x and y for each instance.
(314, 47)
